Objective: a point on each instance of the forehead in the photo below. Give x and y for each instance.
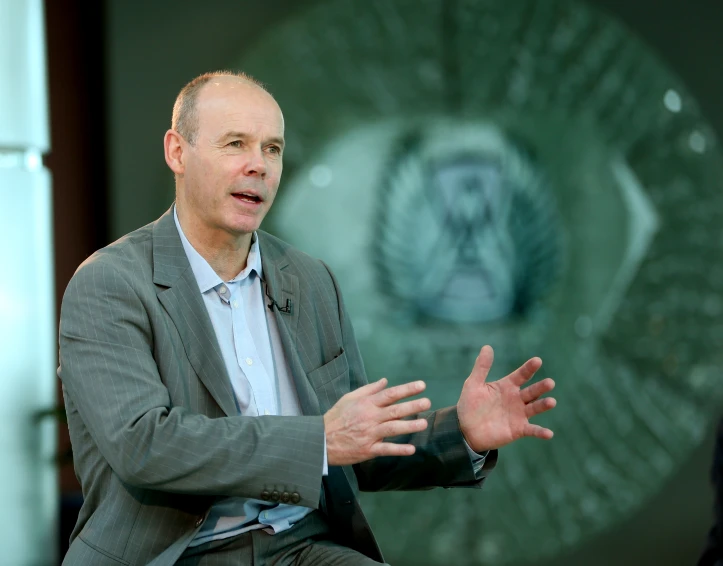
(229, 103)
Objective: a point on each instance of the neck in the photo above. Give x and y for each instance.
(226, 253)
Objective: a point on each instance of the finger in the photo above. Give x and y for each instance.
(540, 406)
(483, 364)
(536, 390)
(406, 409)
(398, 428)
(393, 394)
(524, 373)
(536, 431)
(369, 388)
(391, 449)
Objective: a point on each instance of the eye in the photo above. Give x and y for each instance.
(235, 143)
(275, 149)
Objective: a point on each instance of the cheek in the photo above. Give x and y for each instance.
(273, 189)
(275, 177)
(215, 182)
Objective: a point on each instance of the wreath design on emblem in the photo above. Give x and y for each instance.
(466, 229)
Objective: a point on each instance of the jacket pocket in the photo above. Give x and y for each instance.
(323, 375)
(82, 552)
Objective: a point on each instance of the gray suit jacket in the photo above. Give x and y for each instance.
(153, 423)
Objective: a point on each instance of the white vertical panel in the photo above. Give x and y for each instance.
(27, 366)
(28, 478)
(23, 81)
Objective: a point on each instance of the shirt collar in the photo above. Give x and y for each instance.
(205, 276)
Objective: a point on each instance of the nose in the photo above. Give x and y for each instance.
(256, 165)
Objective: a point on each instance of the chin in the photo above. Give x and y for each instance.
(245, 227)
(243, 224)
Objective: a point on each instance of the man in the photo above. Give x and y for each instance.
(217, 402)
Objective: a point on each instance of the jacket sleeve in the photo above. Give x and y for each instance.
(108, 370)
(441, 458)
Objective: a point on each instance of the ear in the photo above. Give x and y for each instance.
(173, 147)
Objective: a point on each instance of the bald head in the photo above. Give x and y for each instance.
(185, 110)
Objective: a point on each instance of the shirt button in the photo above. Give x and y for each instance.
(223, 290)
(199, 522)
(235, 304)
(267, 412)
(249, 361)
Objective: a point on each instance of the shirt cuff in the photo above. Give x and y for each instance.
(478, 460)
(325, 470)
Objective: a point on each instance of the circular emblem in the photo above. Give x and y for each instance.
(529, 175)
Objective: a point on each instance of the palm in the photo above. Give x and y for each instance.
(492, 415)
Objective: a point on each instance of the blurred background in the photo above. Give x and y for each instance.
(563, 154)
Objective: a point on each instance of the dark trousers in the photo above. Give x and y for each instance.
(308, 543)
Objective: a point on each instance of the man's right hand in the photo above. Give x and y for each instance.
(358, 423)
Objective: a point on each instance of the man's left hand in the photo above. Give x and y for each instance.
(492, 415)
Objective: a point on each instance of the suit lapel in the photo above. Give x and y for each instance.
(283, 286)
(179, 294)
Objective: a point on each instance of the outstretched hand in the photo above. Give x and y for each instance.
(492, 415)
(358, 424)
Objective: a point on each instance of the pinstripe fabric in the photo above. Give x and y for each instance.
(151, 413)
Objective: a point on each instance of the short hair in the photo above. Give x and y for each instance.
(185, 112)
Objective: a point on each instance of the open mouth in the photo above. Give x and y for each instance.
(246, 197)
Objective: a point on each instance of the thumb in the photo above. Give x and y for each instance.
(483, 364)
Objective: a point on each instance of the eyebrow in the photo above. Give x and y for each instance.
(242, 135)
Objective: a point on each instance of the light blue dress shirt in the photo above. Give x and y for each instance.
(260, 378)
